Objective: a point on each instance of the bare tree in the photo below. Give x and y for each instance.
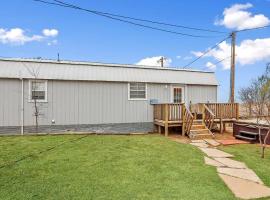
(257, 96)
(34, 73)
(245, 97)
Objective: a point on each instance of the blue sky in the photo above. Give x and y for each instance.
(83, 36)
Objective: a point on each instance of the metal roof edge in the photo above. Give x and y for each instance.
(99, 64)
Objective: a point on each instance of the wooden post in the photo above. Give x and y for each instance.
(221, 114)
(221, 126)
(183, 119)
(166, 125)
(159, 129)
(237, 111)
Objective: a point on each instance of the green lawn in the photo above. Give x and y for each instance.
(251, 155)
(105, 167)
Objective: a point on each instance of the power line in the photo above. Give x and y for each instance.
(250, 29)
(215, 63)
(147, 20)
(122, 20)
(206, 52)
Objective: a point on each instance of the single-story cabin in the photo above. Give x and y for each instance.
(93, 97)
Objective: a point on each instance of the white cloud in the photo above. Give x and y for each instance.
(50, 32)
(210, 66)
(178, 57)
(236, 17)
(53, 42)
(248, 52)
(196, 53)
(18, 36)
(154, 61)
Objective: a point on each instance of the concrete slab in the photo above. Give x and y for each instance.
(197, 141)
(212, 142)
(231, 163)
(198, 144)
(246, 174)
(245, 189)
(215, 153)
(212, 162)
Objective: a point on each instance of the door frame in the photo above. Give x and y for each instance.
(183, 92)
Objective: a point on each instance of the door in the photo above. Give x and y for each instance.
(178, 95)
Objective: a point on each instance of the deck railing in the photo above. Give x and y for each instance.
(224, 110)
(209, 117)
(188, 121)
(168, 112)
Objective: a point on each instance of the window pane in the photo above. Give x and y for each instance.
(38, 95)
(177, 95)
(38, 86)
(137, 90)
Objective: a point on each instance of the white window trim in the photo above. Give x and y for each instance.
(30, 100)
(183, 93)
(137, 99)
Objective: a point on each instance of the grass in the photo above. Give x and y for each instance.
(251, 155)
(105, 167)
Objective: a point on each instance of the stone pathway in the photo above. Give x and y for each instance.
(241, 180)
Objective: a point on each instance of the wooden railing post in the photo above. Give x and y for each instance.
(203, 112)
(166, 124)
(237, 111)
(183, 119)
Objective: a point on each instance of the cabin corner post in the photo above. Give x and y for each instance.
(166, 124)
(183, 119)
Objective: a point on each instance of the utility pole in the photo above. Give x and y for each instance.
(161, 61)
(232, 82)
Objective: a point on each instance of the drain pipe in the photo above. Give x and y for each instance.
(22, 106)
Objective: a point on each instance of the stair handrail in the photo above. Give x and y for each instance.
(188, 119)
(209, 117)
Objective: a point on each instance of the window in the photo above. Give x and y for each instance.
(38, 90)
(177, 95)
(137, 91)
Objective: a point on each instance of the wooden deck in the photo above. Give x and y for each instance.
(168, 115)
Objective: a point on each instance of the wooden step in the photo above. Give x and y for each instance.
(197, 126)
(200, 131)
(197, 122)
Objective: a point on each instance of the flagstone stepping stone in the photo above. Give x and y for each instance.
(246, 174)
(197, 141)
(212, 162)
(215, 153)
(245, 189)
(212, 142)
(231, 163)
(198, 144)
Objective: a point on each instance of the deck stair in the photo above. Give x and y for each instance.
(246, 135)
(199, 130)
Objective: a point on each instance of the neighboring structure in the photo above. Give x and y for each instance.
(93, 97)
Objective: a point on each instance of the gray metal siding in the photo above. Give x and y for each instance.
(86, 102)
(201, 94)
(10, 98)
(73, 71)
